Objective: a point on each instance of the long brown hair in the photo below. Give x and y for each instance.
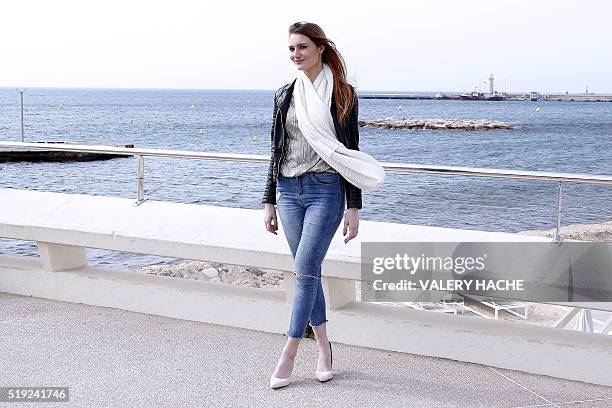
(344, 95)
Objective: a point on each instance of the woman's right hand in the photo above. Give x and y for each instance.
(270, 218)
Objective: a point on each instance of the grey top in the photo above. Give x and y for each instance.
(300, 157)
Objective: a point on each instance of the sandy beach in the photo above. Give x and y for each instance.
(583, 232)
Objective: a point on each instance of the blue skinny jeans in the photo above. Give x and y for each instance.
(310, 207)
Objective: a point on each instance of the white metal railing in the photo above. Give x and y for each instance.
(140, 153)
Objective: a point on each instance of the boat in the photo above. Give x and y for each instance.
(480, 96)
(472, 96)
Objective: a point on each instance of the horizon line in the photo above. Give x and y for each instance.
(16, 88)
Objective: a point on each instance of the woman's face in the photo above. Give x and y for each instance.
(303, 52)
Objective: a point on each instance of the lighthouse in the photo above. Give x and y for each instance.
(491, 88)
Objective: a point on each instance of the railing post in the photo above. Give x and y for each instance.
(558, 237)
(140, 198)
(21, 96)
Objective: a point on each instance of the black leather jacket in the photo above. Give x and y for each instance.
(347, 134)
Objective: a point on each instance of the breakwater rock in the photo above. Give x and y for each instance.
(436, 124)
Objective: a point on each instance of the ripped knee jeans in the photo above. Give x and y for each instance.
(310, 207)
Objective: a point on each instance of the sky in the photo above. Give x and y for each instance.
(428, 45)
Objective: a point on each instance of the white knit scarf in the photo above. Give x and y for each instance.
(312, 108)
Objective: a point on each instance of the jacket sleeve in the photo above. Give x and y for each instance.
(270, 191)
(353, 194)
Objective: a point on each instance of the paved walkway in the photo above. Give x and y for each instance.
(114, 358)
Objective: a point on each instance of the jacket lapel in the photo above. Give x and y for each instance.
(284, 104)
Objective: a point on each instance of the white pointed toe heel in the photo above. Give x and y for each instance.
(326, 375)
(279, 382)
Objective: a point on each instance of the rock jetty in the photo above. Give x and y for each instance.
(436, 124)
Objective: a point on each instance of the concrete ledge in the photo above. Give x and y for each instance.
(198, 232)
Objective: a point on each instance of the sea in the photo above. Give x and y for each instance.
(565, 137)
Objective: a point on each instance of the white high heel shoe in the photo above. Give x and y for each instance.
(326, 375)
(279, 382)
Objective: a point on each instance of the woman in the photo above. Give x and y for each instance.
(311, 193)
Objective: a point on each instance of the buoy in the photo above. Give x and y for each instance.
(193, 108)
(172, 126)
(131, 120)
(537, 108)
(61, 106)
(254, 138)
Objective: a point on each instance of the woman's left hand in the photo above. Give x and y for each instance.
(351, 224)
